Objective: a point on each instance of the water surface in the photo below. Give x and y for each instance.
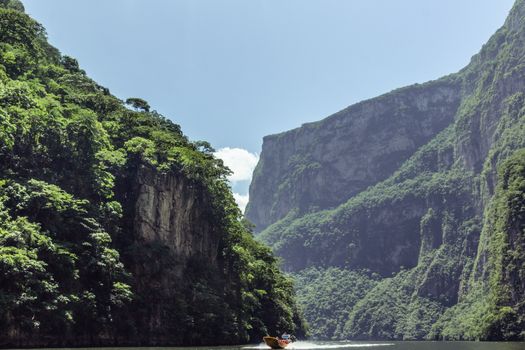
(314, 345)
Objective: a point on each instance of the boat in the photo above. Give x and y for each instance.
(276, 343)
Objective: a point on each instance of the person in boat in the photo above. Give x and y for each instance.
(278, 342)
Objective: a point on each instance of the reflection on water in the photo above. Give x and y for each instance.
(400, 345)
(416, 345)
(314, 345)
(303, 345)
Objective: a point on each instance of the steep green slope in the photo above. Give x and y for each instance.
(114, 227)
(495, 303)
(441, 229)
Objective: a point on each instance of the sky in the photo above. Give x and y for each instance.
(232, 71)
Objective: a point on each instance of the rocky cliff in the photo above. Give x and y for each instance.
(321, 165)
(172, 223)
(169, 208)
(402, 194)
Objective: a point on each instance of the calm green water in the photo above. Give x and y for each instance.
(361, 345)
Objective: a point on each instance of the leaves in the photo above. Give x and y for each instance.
(70, 260)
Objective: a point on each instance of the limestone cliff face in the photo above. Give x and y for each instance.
(172, 226)
(171, 210)
(320, 165)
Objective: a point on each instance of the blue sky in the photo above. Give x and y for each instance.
(233, 71)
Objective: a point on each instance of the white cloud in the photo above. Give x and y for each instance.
(241, 200)
(240, 161)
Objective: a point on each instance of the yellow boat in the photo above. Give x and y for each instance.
(275, 343)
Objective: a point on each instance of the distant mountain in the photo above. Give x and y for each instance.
(115, 229)
(403, 217)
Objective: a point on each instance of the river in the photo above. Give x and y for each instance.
(314, 345)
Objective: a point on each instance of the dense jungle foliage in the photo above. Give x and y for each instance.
(68, 253)
(332, 291)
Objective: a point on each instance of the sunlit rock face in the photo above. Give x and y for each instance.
(321, 165)
(171, 210)
(171, 215)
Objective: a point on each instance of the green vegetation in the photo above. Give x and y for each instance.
(329, 238)
(333, 292)
(72, 269)
(494, 307)
(392, 311)
(442, 234)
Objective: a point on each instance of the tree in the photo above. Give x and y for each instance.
(138, 104)
(71, 64)
(20, 29)
(12, 4)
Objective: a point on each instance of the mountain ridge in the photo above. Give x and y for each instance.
(424, 237)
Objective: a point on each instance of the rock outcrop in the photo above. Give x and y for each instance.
(320, 165)
(171, 209)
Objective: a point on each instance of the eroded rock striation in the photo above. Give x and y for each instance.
(171, 209)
